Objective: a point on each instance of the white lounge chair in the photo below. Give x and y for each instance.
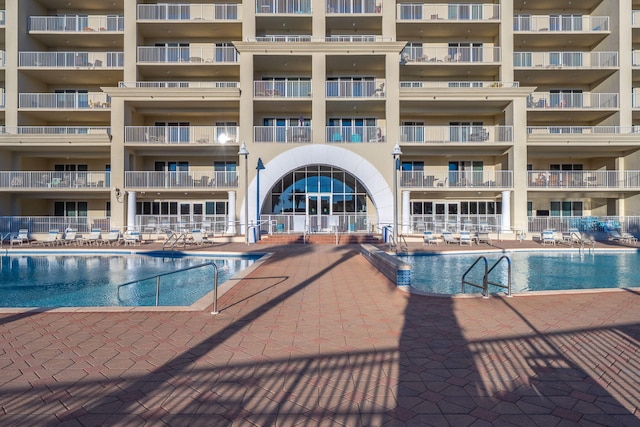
(70, 236)
(428, 238)
(548, 237)
(113, 238)
(20, 238)
(198, 237)
(483, 237)
(629, 238)
(449, 239)
(465, 238)
(133, 238)
(51, 239)
(93, 238)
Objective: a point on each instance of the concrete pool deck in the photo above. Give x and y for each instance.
(316, 336)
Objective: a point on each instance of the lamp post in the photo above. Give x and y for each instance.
(259, 167)
(396, 160)
(244, 152)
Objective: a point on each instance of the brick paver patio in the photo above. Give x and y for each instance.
(316, 336)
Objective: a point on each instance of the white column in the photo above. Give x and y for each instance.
(406, 212)
(506, 211)
(231, 227)
(131, 210)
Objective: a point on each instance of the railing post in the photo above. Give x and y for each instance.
(157, 290)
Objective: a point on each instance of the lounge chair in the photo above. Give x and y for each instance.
(615, 236)
(51, 239)
(21, 238)
(465, 238)
(113, 238)
(93, 238)
(133, 238)
(483, 237)
(70, 236)
(629, 238)
(428, 238)
(548, 237)
(448, 238)
(198, 237)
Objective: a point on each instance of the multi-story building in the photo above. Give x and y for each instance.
(509, 115)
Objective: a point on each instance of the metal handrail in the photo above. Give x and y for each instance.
(508, 286)
(158, 276)
(2, 237)
(404, 246)
(484, 277)
(175, 239)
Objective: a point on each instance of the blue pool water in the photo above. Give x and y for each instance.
(92, 280)
(531, 271)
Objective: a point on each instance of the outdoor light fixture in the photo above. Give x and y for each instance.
(396, 165)
(244, 152)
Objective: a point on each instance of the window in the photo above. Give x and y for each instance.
(70, 209)
(71, 98)
(465, 52)
(225, 172)
(172, 52)
(522, 23)
(173, 131)
(466, 173)
(466, 131)
(565, 98)
(565, 208)
(565, 22)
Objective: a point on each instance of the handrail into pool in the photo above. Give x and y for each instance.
(174, 238)
(508, 286)
(158, 276)
(484, 285)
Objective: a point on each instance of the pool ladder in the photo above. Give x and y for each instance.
(485, 278)
(173, 240)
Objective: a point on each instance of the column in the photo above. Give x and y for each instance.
(506, 212)
(406, 212)
(131, 210)
(231, 215)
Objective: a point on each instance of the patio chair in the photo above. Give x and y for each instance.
(113, 238)
(465, 238)
(483, 237)
(615, 236)
(548, 237)
(21, 238)
(93, 238)
(449, 239)
(70, 236)
(133, 238)
(629, 238)
(50, 240)
(198, 237)
(428, 238)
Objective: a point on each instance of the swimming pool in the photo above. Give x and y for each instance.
(93, 280)
(531, 271)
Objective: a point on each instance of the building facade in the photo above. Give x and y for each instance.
(509, 115)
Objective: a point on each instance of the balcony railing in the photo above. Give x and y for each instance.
(583, 223)
(283, 7)
(566, 23)
(565, 59)
(54, 180)
(355, 89)
(448, 12)
(439, 55)
(181, 84)
(3, 103)
(305, 38)
(71, 59)
(545, 100)
(3, 20)
(2, 58)
(187, 54)
(75, 101)
(291, 134)
(338, 134)
(440, 134)
(584, 179)
(188, 12)
(282, 89)
(76, 23)
(489, 222)
(354, 7)
(635, 18)
(55, 130)
(42, 224)
(181, 134)
(457, 179)
(457, 84)
(586, 130)
(181, 179)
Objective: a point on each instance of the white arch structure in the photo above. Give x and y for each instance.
(375, 184)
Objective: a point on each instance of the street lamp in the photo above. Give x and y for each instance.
(259, 167)
(396, 165)
(244, 152)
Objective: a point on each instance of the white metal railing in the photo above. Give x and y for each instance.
(181, 84)
(567, 23)
(588, 224)
(3, 15)
(565, 59)
(352, 38)
(188, 12)
(71, 59)
(283, 7)
(354, 7)
(54, 130)
(457, 84)
(432, 54)
(457, 179)
(635, 58)
(3, 55)
(338, 134)
(635, 99)
(289, 223)
(76, 23)
(187, 54)
(424, 134)
(355, 88)
(181, 134)
(584, 179)
(3, 100)
(560, 130)
(543, 100)
(42, 224)
(177, 223)
(283, 38)
(64, 100)
(54, 180)
(438, 223)
(448, 12)
(282, 133)
(282, 88)
(302, 38)
(180, 179)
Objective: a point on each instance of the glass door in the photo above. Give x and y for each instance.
(318, 212)
(446, 216)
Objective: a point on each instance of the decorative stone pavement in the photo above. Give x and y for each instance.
(316, 336)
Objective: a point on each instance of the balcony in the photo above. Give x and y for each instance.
(456, 84)
(457, 179)
(427, 54)
(584, 179)
(455, 134)
(181, 134)
(75, 60)
(204, 54)
(448, 12)
(28, 180)
(558, 23)
(168, 12)
(282, 89)
(205, 180)
(546, 100)
(283, 7)
(354, 7)
(568, 60)
(66, 101)
(305, 38)
(355, 89)
(286, 134)
(583, 130)
(76, 24)
(180, 85)
(340, 134)
(55, 130)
